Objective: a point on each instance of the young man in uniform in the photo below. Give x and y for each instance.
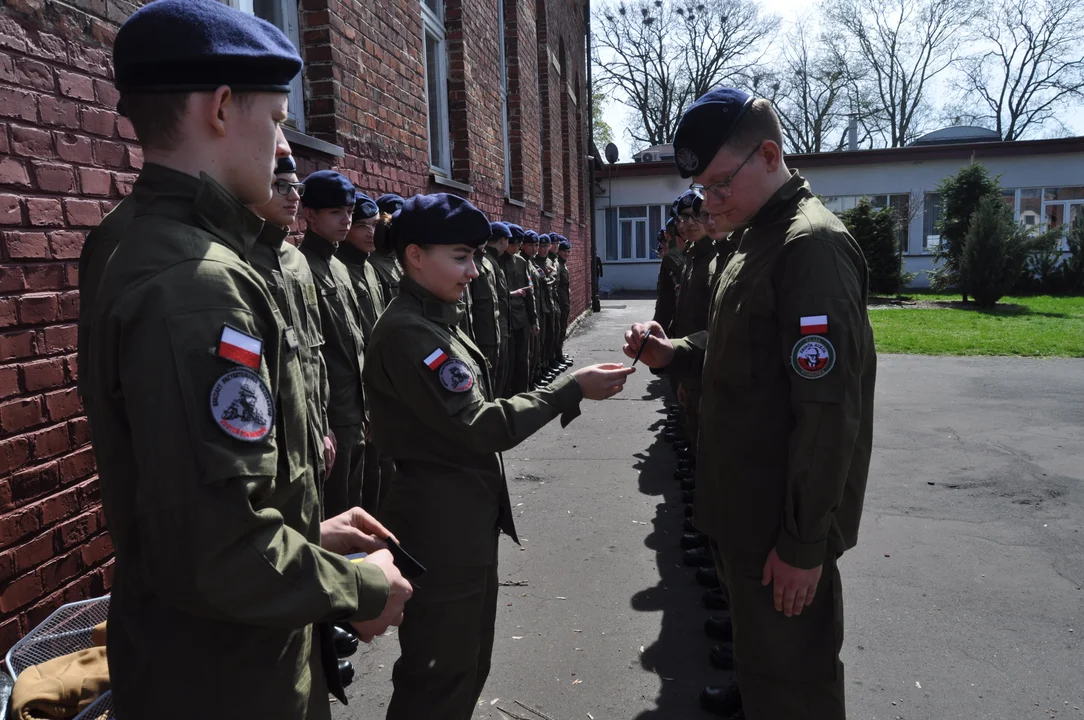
(670, 270)
(355, 252)
(564, 298)
(498, 242)
(524, 321)
(485, 313)
(788, 406)
(198, 403)
(329, 207)
(537, 296)
(545, 263)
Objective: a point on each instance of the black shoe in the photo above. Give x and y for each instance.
(725, 701)
(686, 465)
(680, 475)
(689, 496)
(346, 672)
(718, 627)
(688, 526)
(722, 656)
(688, 511)
(715, 600)
(680, 445)
(688, 483)
(672, 436)
(692, 540)
(698, 557)
(686, 454)
(346, 643)
(707, 577)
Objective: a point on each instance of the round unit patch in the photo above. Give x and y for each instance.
(687, 160)
(455, 376)
(813, 357)
(242, 407)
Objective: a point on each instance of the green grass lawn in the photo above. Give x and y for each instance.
(1033, 326)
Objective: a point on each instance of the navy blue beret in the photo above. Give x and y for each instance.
(671, 225)
(564, 244)
(530, 237)
(690, 199)
(440, 219)
(499, 230)
(517, 232)
(285, 165)
(328, 189)
(705, 126)
(545, 239)
(200, 45)
(364, 207)
(389, 203)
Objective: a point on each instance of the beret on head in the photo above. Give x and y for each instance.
(705, 126)
(688, 200)
(564, 244)
(285, 165)
(671, 224)
(546, 239)
(499, 230)
(200, 45)
(517, 232)
(389, 203)
(440, 219)
(364, 207)
(530, 237)
(328, 189)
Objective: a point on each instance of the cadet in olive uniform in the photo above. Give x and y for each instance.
(355, 252)
(485, 313)
(383, 260)
(435, 410)
(536, 295)
(547, 254)
(198, 402)
(670, 271)
(329, 207)
(564, 297)
(524, 320)
(498, 243)
(789, 370)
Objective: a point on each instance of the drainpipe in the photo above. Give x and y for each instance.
(596, 306)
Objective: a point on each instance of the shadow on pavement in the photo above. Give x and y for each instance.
(680, 654)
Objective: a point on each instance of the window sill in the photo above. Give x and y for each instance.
(448, 182)
(308, 142)
(656, 261)
(546, 213)
(568, 222)
(513, 201)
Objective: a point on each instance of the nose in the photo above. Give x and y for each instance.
(282, 146)
(472, 269)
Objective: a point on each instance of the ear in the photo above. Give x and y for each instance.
(772, 154)
(309, 214)
(217, 109)
(413, 255)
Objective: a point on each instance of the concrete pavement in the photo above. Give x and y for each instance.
(962, 597)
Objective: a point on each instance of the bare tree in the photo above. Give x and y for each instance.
(1031, 67)
(656, 56)
(904, 44)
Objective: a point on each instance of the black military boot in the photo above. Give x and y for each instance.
(718, 627)
(689, 496)
(680, 475)
(725, 701)
(688, 511)
(346, 642)
(698, 557)
(693, 540)
(707, 577)
(715, 600)
(722, 656)
(688, 483)
(688, 525)
(346, 672)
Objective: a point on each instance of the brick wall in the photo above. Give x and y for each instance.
(66, 159)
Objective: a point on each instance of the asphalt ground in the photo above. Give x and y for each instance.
(963, 597)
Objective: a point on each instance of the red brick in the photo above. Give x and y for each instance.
(37, 614)
(94, 181)
(110, 154)
(11, 632)
(11, 210)
(71, 275)
(47, 47)
(34, 482)
(63, 404)
(58, 112)
(12, 34)
(135, 158)
(33, 553)
(61, 506)
(20, 593)
(107, 94)
(72, 363)
(74, 148)
(124, 182)
(7, 566)
(125, 129)
(17, 344)
(61, 338)
(75, 86)
(31, 142)
(9, 384)
(99, 121)
(18, 104)
(92, 60)
(92, 496)
(51, 441)
(80, 431)
(76, 531)
(107, 575)
(5, 145)
(13, 172)
(9, 315)
(14, 453)
(7, 68)
(19, 414)
(59, 571)
(69, 306)
(34, 74)
(26, 246)
(43, 374)
(97, 550)
(86, 587)
(45, 212)
(52, 177)
(12, 278)
(35, 309)
(65, 244)
(49, 276)
(83, 213)
(18, 524)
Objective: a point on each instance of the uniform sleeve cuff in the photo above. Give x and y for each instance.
(804, 556)
(373, 591)
(568, 395)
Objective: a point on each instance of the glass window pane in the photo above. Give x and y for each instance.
(878, 201)
(626, 239)
(931, 219)
(833, 203)
(611, 234)
(437, 6)
(633, 211)
(654, 218)
(641, 240)
(433, 48)
(1064, 193)
(1031, 206)
(1055, 216)
(269, 10)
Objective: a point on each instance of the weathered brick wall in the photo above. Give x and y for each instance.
(66, 159)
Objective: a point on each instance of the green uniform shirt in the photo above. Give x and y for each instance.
(543, 296)
(694, 292)
(786, 417)
(210, 499)
(366, 284)
(564, 297)
(389, 271)
(551, 265)
(521, 308)
(670, 270)
(485, 315)
(501, 281)
(340, 318)
(433, 412)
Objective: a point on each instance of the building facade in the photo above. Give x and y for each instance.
(1043, 181)
(482, 98)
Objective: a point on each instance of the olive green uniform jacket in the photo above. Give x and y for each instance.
(521, 308)
(670, 269)
(564, 294)
(366, 284)
(216, 534)
(440, 422)
(785, 449)
(485, 311)
(390, 273)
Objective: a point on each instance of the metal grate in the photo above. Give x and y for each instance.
(64, 632)
(102, 709)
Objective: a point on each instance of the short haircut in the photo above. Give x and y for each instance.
(760, 123)
(382, 236)
(156, 117)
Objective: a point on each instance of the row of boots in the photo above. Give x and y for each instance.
(545, 376)
(722, 700)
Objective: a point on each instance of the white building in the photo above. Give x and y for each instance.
(1044, 180)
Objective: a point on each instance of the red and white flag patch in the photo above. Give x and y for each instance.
(240, 347)
(436, 359)
(814, 324)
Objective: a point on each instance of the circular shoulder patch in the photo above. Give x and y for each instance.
(687, 160)
(456, 376)
(242, 407)
(813, 357)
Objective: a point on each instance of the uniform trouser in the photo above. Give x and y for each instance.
(387, 473)
(692, 413)
(519, 363)
(546, 349)
(787, 667)
(500, 374)
(446, 644)
(342, 490)
(536, 343)
(555, 334)
(371, 490)
(563, 332)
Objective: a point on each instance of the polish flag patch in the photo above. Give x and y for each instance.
(814, 324)
(436, 359)
(240, 348)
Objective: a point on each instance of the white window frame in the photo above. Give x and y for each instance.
(504, 100)
(433, 26)
(288, 9)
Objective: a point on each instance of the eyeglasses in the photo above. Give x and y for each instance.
(722, 189)
(283, 187)
(685, 219)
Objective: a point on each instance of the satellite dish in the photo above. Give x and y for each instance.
(611, 153)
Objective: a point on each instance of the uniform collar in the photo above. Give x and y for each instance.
(323, 247)
(432, 307)
(160, 180)
(794, 188)
(272, 235)
(350, 254)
